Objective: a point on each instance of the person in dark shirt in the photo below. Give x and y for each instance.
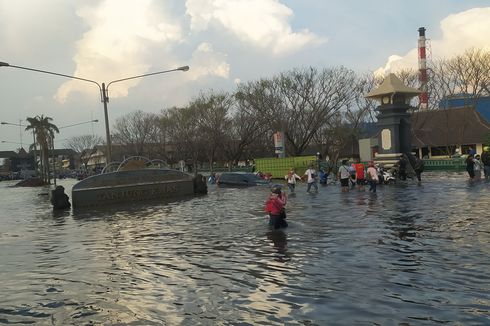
(485, 159)
(419, 168)
(59, 199)
(402, 167)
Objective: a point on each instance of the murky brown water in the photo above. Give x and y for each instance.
(415, 255)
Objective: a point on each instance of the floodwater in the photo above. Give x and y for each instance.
(409, 255)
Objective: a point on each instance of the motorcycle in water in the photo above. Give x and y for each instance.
(385, 177)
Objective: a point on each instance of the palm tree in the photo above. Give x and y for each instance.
(44, 131)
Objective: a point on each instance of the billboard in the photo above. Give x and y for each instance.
(279, 143)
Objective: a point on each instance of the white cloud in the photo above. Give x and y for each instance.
(263, 23)
(120, 36)
(396, 63)
(464, 30)
(125, 38)
(206, 62)
(460, 32)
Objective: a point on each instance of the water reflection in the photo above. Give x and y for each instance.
(407, 255)
(279, 241)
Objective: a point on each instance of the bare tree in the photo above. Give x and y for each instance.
(409, 77)
(185, 136)
(243, 130)
(465, 74)
(333, 137)
(253, 120)
(161, 146)
(310, 98)
(81, 143)
(363, 109)
(465, 77)
(212, 113)
(138, 131)
(84, 146)
(299, 102)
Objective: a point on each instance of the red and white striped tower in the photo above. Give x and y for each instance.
(423, 97)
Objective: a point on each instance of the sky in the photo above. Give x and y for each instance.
(224, 42)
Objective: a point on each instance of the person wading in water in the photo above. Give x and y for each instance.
(275, 206)
(291, 179)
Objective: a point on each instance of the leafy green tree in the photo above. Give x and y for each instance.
(44, 132)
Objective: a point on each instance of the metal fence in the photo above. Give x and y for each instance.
(278, 167)
(456, 164)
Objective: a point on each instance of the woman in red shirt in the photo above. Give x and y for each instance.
(275, 206)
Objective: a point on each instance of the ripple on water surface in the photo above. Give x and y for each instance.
(409, 254)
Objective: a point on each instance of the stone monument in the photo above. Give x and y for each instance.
(394, 137)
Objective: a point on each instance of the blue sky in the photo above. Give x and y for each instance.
(223, 41)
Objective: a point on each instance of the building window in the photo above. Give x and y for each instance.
(443, 150)
(465, 149)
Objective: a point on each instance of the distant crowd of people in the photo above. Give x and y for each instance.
(475, 164)
(349, 175)
(358, 175)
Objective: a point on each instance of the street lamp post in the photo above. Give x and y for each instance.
(20, 134)
(103, 92)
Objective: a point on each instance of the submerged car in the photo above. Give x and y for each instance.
(241, 179)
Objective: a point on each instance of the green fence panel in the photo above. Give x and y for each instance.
(279, 167)
(226, 169)
(444, 164)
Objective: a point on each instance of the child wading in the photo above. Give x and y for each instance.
(275, 206)
(291, 179)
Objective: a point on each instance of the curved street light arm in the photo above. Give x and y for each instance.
(4, 64)
(80, 123)
(183, 68)
(12, 124)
